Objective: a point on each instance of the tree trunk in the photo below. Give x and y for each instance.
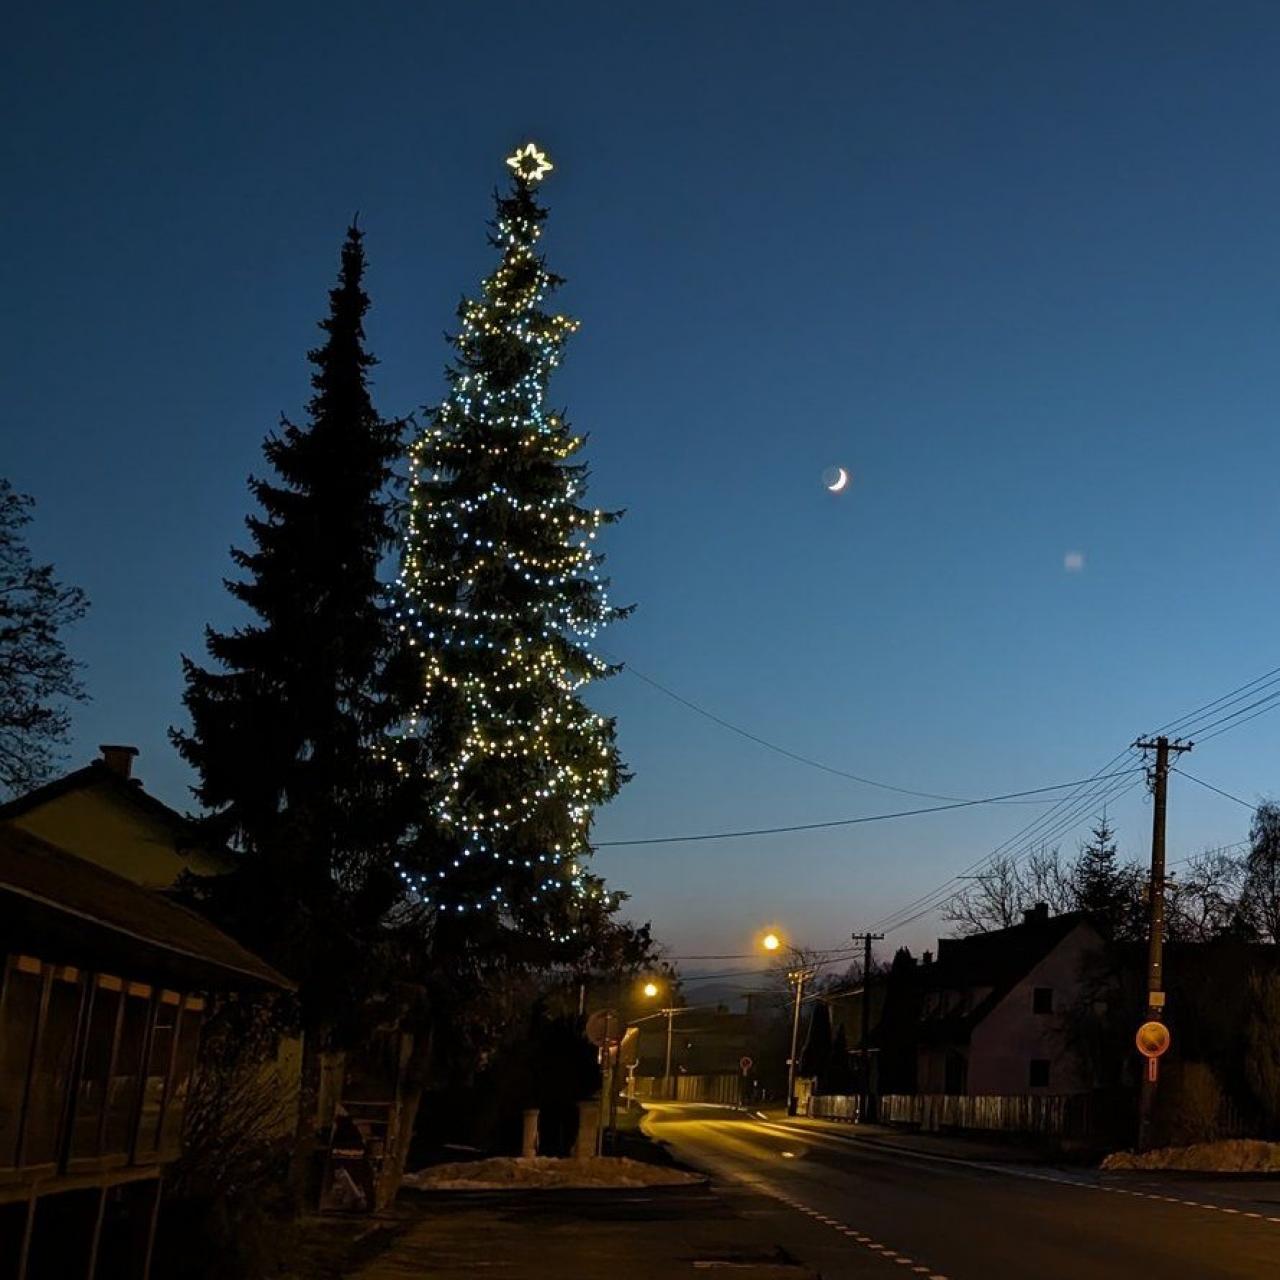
(304, 1136)
(410, 1098)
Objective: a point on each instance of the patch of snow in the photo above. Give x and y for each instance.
(1236, 1155)
(504, 1173)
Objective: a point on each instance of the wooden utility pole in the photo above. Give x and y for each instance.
(1158, 778)
(666, 1075)
(799, 977)
(864, 1102)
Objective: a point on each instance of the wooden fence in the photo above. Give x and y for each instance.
(834, 1106)
(724, 1089)
(1048, 1115)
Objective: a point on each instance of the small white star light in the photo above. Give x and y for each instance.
(529, 163)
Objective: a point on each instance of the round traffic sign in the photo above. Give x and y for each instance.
(1153, 1039)
(746, 1064)
(602, 1027)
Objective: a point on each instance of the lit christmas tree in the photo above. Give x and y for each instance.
(500, 595)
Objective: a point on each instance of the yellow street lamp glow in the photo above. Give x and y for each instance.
(651, 989)
(771, 942)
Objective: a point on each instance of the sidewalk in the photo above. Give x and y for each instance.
(642, 1234)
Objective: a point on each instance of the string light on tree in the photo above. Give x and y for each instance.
(500, 594)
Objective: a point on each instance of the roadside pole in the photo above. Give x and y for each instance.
(864, 1101)
(666, 1074)
(799, 977)
(1159, 781)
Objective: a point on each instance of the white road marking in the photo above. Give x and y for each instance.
(1008, 1170)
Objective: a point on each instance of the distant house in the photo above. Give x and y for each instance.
(103, 989)
(102, 814)
(991, 1008)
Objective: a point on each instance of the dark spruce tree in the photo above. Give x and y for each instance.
(1110, 890)
(287, 720)
(501, 594)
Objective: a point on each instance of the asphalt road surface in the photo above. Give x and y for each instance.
(850, 1208)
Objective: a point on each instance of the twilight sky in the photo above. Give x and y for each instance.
(1017, 266)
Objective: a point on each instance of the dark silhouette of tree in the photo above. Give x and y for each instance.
(1260, 899)
(1005, 887)
(1109, 890)
(1097, 881)
(838, 1077)
(1204, 900)
(815, 1057)
(895, 1037)
(37, 675)
(1262, 1053)
(287, 722)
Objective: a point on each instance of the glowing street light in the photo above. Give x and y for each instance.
(797, 977)
(650, 990)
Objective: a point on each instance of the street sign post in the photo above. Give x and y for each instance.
(746, 1064)
(602, 1028)
(1153, 1039)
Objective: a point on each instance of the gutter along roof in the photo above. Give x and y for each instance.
(41, 885)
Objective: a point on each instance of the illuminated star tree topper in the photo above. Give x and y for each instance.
(529, 163)
(501, 595)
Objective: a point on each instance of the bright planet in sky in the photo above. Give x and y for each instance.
(834, 479)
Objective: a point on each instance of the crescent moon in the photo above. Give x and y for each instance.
(841, 481)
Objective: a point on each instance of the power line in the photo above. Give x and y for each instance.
(755, 955)
(1253, 808)
(1086, 804)
(1272, 705)
(784, 751)
(1061, 817)
(1267, 679)
(837, 822)
(1042, 829)
(758, 972)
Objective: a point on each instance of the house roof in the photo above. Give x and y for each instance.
(50, 896)
(994, 963)
(98, 774)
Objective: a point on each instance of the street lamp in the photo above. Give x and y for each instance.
(799, 976)
(650, 991)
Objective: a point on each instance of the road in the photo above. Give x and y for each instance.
(851, 1208)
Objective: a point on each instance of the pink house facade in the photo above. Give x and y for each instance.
(993, 1006)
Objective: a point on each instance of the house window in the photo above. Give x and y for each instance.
(19, 1013)
(95, 1067)
(51, 1066)
(126, 1071)
(1038, 1078)
(1042, 1000)
(163, 1033)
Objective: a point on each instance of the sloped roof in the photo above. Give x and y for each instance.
(72, 896)
(994, 962)
(97, 774)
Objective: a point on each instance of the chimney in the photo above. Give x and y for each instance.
(1039, 914)
(118, 759)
